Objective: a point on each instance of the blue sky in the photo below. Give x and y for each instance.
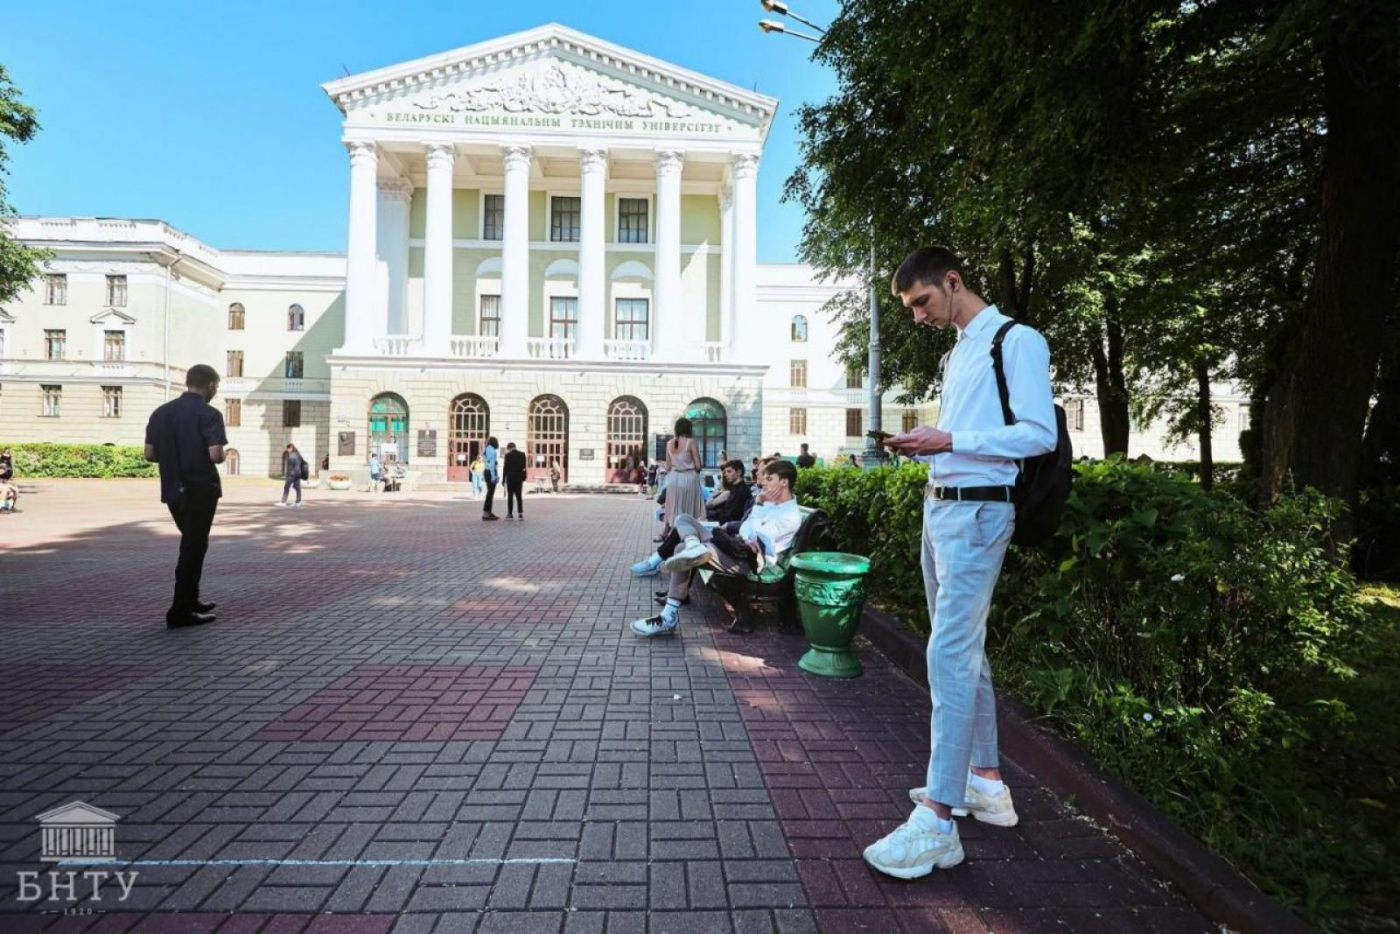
(210, 116)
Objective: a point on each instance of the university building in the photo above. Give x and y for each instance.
(551, 240)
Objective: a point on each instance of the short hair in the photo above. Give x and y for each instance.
(783, 470)
(510, 446)
(684, 428)
(201, 376)
(927, 265)
(491, 442)
(804, 445)
(735, 464)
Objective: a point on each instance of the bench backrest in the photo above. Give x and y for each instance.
(814, 528)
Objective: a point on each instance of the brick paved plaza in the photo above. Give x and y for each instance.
(408, 720)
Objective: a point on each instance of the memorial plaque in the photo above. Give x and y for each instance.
(427, 443)
(346, 447)
(585, 454)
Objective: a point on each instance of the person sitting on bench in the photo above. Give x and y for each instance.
(763, 536)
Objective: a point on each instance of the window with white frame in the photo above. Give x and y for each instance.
(632, 321)
(493, 217)
(116, 291)
(53, 399)
(565, 215)
(563, 317)
(294, 365)
(235, 317)
(296, 318)
(632, 220)
(114, 346)
(854, 420)
(55, 344)
(233, 412)
(797, 374)
(234, 368)
(799, 328)
(1074, 414)
(56, 289)
(111, 402)
(490, 316)
(797, 421)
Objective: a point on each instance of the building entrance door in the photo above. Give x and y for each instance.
(627, 439)
(470, 419)
(547, 438)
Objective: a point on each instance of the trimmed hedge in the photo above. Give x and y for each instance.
(47, 461)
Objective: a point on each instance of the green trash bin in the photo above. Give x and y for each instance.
(830, 587)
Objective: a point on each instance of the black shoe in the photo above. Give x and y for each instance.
(488, 517)
(188, 619)
(661, 598)
(203, 607)
(509, 517)
(739, 626)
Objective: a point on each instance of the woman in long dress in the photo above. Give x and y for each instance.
(683, 476)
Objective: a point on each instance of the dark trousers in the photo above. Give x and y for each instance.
(292, 482)
(514, 504)
(490, 495)
(194, 516)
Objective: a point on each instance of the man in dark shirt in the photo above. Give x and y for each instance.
(186, 437)
(805, 459)
(515, 482)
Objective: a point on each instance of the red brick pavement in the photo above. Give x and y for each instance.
(290, 768)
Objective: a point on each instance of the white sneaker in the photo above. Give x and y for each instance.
(297, 504)
(646, 568)
(686, 557)
(914, 850)
(655, 626)
(996, 810)
(280, 503)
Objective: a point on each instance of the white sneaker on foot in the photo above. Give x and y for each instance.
(646, 569)
(996, 810)
(915, 848)
(654, 626)
(686, 557)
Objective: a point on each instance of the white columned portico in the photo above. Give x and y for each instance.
(669, 315)
(592, 301)
(394, 197)
(728, 324)
(515, 253)
(745, 228)
(437, 251)
(360, 266)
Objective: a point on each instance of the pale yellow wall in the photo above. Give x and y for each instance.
(466, 214)
(538, 230)
(700, 220)
(418, 214)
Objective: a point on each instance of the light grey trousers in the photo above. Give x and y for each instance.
(963, 548)
(686, 526)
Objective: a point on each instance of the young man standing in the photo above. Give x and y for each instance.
(186, 437)
(806, 459)
(515, 482)
(968, 520)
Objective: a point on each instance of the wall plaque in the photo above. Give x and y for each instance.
(346, 446)
(585, 454)
(427, 443)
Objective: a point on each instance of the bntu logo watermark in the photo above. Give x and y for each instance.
(76, 833)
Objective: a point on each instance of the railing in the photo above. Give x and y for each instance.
(714, 351)
(397, 345)
(476, 346)
(549, 348)
(627, 350)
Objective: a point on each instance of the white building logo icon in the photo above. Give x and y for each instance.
(78, 831)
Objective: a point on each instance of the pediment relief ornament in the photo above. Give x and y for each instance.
(555, 89)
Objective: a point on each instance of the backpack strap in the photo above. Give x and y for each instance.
(1000, 368)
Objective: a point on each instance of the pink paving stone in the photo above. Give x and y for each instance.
(351, 924)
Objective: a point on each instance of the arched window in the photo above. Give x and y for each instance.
(232, 463)
(296, 318)
(547, 436)
(711, 428)
(799, 327)
(627, 438)
(388, 427)
(469, 421)
(235, 317)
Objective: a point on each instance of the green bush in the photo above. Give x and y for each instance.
(1196, 647)
(46, 461)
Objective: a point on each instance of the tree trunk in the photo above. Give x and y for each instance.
(1109, 383)
(1321, 418)
(1006, 285)
(1380, 450)
(1204, 427)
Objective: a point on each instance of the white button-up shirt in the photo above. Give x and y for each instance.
(985, 448)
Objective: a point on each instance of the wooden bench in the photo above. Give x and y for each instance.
(747, 593)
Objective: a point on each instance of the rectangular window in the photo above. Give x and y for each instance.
(235, 364)
(111, 402)
(490, 315)
(1074, 414)
(114, 346)
(233, 412)
(855, 376)
(56, 344)
(797, 421)
(563, 317)
(632, 322)
(797, 374)
(296, 318)
(854, 420)
(56, 289)
(53, 398)
(632, 223)
(291, 413)
(292, 368)
(235, 317)
(493, 217)
(909, 420)
(116, 291)
(564, 215)
(1244, 417)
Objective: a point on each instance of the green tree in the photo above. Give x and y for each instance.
(19, 264)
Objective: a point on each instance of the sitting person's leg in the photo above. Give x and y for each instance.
(652, 563)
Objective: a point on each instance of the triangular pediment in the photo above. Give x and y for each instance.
(552, 78)
(77, 812)
(112, 314)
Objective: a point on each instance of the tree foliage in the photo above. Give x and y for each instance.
(19, 264)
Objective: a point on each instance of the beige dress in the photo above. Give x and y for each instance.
(682, 484)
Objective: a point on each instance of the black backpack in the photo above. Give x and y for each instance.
(1042, 486)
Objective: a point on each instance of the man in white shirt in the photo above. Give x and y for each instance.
(968, 521)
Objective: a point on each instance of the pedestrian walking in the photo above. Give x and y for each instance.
(186, 438)
(478, 467)
(968, 520)
(514, 472)
(554, 476)
(295, 471)
(376, 472)
(492, 476)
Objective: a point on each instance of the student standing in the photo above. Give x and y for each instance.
(292, 474)
(478, 466)
(515, 482)
(492, 477)
(186, 438)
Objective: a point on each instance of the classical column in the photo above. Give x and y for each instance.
(394, 197)
(515, 254)
(745, 251)
(668, 315)
(359, 250)
(728, 326)
(592, 296)
(437, 252)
